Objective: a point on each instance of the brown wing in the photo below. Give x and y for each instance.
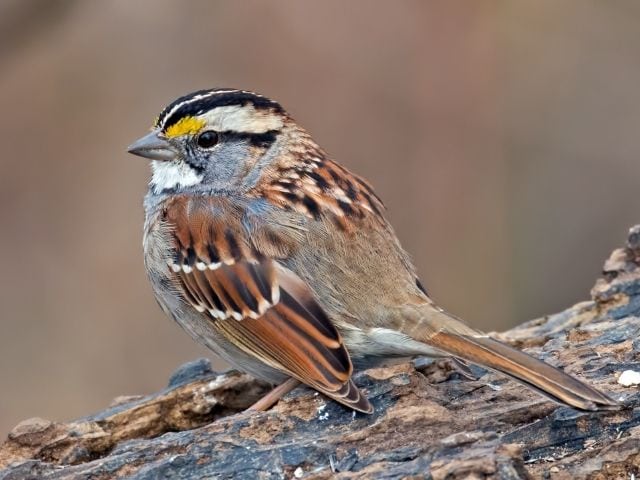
(255, 302)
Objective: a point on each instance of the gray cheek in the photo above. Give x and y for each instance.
(226, 163)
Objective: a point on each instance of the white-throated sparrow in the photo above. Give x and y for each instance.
(282, 262)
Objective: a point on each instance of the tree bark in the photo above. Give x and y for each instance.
(429, 422)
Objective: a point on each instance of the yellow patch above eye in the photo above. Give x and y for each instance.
(185, 126)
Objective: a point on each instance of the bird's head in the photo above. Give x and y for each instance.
(219, 138)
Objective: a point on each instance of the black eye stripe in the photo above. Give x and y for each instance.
(263, 140)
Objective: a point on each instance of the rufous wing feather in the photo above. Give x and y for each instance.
(255, 302)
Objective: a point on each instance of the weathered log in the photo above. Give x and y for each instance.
(429, 422)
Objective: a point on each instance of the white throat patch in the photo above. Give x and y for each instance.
(169, 175)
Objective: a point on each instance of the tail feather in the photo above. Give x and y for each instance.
(540, 376)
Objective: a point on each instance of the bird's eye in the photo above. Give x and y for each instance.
(207, 139)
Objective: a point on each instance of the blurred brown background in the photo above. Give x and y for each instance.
(503, 136)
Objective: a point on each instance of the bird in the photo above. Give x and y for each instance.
(282, 262)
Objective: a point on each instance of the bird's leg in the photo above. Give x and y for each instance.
(274, 395)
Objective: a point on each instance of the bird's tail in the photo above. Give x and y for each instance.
(452, 336)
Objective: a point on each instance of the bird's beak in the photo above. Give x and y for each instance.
(153, 147)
